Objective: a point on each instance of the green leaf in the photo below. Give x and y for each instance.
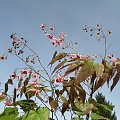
(39, 114)
(105, 107)
(26, 105)
(9, 114)
(98, 117)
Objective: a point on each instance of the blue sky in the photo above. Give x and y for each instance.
(69, 16)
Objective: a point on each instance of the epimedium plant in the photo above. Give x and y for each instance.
(68, 88)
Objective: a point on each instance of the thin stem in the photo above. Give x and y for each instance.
(43, 68)
(105, 48)
(30, 66)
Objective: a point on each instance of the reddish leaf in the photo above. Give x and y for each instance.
(14, 97)
(65, 105)
(82, 93)
(69, 83)
(19, 83)
(101, 81)
(59, 65)
(116, 78)
(6, 87)
(58, 57)
(26, 82)
(86, 71)
(10, 81)
(53, 103)
(72, 67)
(72, 95)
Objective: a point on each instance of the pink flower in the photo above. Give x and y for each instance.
(59, 78)
(50, 36)
(2, 57)
(109, 32)
(20, 77)
(42, 26)
(52, 29)
(13, 76)
(114, 60)
(25, 72)
(35, 75)
(8, 103)
(79, 56)
(58, 42)
(87, 56)
(71, 55)
(110, 55)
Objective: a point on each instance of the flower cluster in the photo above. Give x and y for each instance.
(56, 39)
(24, 73)
(80, 56)
(113, 60)
(100, 34)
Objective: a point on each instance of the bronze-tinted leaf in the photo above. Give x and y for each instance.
(72, 67)
(68, 83)
(64, 67)
(58, 57)
(99, 68)
(26, 82)
(54, 55)
(10, 81)
(72, 95)
(59, 65)
(23, 90)
(82, 93)
(63, 98)
(116, 78)
(86, 71)
(65, 105)
(14, 97)
(20, 83)
(6, 87)
(53, 103)
(101, 81)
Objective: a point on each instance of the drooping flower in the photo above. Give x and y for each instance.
(20, 77)
(35, 75)
(25, 72)
(42, 26)
(50, 36)
(2, 57)
(79, 56)
(13, 76)
(109, 32)
(8, 103)
(59, 78)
